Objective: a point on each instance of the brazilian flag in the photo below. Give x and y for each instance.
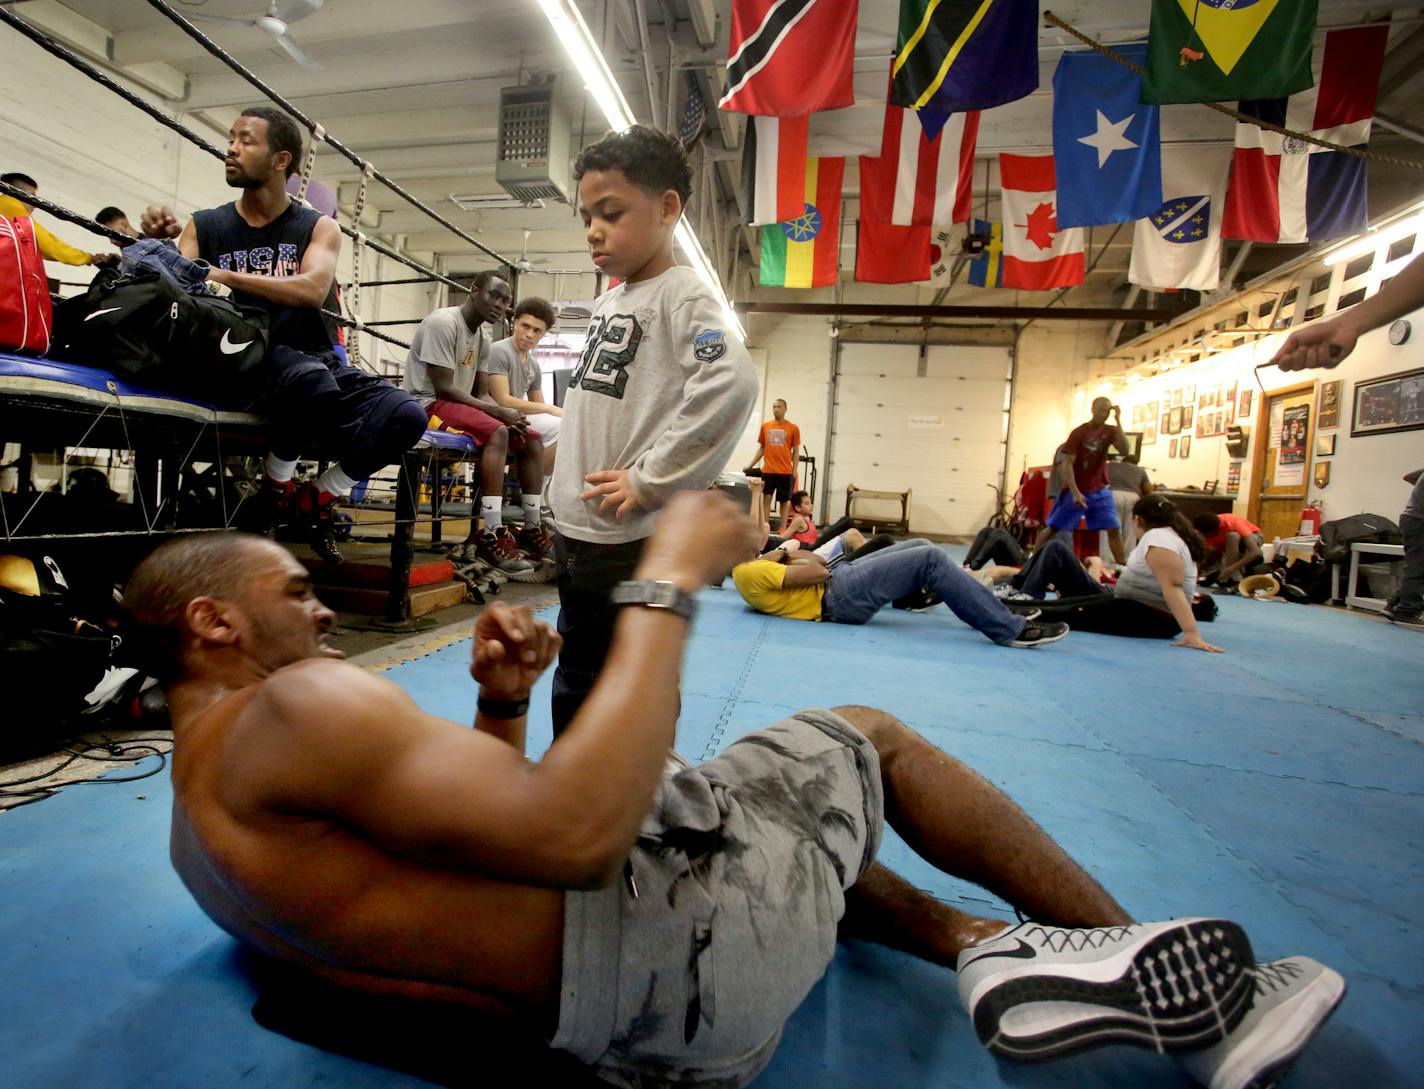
(1228, 50)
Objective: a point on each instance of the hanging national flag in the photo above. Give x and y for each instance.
(774, 169)
(805, 251)
(791, 57)
(1106, 149)
(987, 270)
(954, 56)
(1222, 50)
(1179, 245)
(934, 178)
(887, 253)
(1038, 254)
(945, 250)
(1286, 190)
(694, 114)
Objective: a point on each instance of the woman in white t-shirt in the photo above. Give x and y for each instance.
(1155, 596)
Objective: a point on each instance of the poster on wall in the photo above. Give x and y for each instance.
(1230, 405)
(1243, 407)
(1277, 414)
(1233, 476)
(1291, 458)
(1327, 413)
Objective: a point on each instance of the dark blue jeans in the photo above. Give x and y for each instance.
(858, 590)
(588, 573)
(1055, 564)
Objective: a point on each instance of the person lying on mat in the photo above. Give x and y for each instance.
(1155, 596)
(659, 921)
(804, 586)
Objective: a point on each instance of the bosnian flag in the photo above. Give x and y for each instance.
(1286, 190)
(934, 179)
(1038, 255)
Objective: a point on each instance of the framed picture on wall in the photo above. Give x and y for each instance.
(1327, 410)
(1189, 395)
(1243, 406)
(1151, 413)
(1324, 445)
(1174, 420)
(1184, 448)
(1187, 412)
(1164, 423)
(1149, 434)
(1392, 403)
(1231, 403)
(1177, 396)
(1172, 449)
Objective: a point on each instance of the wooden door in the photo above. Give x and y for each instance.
(1281, 479)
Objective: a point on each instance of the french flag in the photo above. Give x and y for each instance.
(1285, 190)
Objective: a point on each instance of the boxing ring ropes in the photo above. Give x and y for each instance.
(121, 411)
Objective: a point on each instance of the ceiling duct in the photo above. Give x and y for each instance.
(533, 150)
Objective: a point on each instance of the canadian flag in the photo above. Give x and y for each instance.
(1038, 255)
(934, 179)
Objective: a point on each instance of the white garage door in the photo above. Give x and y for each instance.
(938, 427)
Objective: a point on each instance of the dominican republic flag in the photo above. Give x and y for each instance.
(1179, 245)
(791, 57)
(1285, 190)
(774, 169)
(1038, 256)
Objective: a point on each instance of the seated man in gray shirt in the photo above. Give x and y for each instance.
(510, 376)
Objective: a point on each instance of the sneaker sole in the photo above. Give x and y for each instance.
(545, 572)
(1039, 642)
(1274, 1049)
(1182, 989)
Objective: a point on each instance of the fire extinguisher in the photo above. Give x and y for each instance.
(1310, 522)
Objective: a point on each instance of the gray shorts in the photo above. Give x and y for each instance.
(740, 870)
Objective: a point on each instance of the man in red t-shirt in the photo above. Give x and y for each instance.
(1233, 547)
(779, 442)
(1082, 464)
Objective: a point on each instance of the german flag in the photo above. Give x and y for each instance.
(805, 251)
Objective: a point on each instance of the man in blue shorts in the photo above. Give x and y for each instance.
(1083, 464)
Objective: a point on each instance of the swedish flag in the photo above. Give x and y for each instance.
(1226, 50)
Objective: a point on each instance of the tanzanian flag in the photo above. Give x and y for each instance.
(1225, 50)
(805, 251)
(954, 56)
(987, 270)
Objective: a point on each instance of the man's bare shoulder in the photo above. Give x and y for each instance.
(321, 694)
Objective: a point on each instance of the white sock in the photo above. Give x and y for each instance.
(492, 511)
(530, 504)
(280, 471)
(335, 482)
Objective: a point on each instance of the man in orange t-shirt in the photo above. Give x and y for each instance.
(779, 442)
(1233, 546)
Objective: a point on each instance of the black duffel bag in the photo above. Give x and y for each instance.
(1336, 537)
(144, 328)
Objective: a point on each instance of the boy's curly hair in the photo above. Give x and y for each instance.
(651, 160)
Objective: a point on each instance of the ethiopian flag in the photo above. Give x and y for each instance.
(1225, 50)
(805, 251)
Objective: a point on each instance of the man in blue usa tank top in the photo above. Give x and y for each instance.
(280, 255)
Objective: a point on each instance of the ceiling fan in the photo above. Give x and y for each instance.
(539, 264)
(275, 21)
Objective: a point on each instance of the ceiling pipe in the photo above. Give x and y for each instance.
(1002, 313)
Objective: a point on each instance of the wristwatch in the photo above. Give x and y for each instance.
(656, 594)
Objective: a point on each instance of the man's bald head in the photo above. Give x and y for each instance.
(215, 565)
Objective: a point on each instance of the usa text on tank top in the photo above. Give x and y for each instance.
(228, 241)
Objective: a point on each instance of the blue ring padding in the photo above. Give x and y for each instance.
(94, 380)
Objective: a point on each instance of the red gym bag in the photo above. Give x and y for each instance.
(25, 311)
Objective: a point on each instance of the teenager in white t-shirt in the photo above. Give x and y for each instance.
(1155, 596)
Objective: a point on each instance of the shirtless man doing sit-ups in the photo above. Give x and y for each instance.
(658, 921)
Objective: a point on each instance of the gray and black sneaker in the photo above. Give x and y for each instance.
(1037, 992)
(499, 549)
(1294, 997)
(1036, 633)
(1403, 614)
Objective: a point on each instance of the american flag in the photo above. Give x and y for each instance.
(694, 115)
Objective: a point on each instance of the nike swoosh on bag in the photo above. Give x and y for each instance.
(1023, 952)
(227, 347)
(108, 310)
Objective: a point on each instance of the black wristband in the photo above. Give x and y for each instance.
(502, 708)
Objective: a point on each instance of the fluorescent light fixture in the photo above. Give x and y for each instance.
(1376, 239)
(484, 202)
(588, 62)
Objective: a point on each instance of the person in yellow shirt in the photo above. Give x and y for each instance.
(802, 586)
(51, 248)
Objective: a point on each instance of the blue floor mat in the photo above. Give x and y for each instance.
(1281, 784)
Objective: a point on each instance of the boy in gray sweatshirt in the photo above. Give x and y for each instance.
(659, 399)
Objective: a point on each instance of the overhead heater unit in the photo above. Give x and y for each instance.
(534, 137)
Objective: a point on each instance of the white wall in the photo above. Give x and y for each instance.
(794, 355)
(1365, 470)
